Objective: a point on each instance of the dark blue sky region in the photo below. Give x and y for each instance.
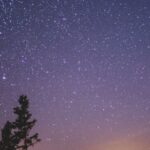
(85, 66)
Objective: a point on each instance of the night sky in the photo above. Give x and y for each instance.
(84, 65)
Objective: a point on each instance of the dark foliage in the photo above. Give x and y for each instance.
(7, 137)
(16, 135)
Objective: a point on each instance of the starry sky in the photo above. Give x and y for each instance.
(84, 65)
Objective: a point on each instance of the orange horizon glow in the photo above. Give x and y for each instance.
(127, 143)
(137, 142)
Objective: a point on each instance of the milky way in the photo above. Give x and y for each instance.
(84, 65)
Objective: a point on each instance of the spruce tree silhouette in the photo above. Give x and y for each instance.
(23, 125)
(16, 135)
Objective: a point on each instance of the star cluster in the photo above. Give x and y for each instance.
(85, 66)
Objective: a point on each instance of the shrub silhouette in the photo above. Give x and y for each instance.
(7, 143)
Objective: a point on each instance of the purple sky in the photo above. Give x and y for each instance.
(84, 65)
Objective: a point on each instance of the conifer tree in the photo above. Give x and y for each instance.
(16, 135)
(23, 125)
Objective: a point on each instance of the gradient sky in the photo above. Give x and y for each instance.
(84, 65)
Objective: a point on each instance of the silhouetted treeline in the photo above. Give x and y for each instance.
(16, 135)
